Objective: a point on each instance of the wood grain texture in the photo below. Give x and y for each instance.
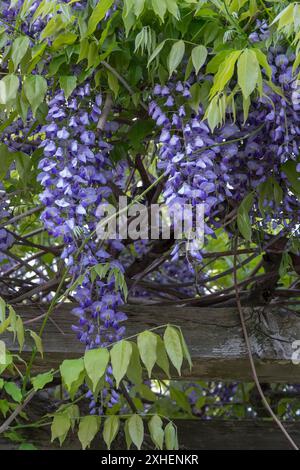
(214, 338)
(193, 435)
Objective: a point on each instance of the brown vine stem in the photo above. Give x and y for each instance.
(23, 262)
(106, 110)
(17, 218)
(128, 398)
(16, 412)
(251, 360)
(47, 249)
(122, 80)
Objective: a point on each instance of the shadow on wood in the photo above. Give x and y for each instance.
(193, 434)
(214, 338)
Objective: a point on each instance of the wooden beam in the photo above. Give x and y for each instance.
(193, 434)
(214, 338)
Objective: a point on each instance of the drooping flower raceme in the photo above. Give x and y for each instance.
(219, 169)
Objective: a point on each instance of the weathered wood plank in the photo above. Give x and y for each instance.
(214, 338)
(193, 435)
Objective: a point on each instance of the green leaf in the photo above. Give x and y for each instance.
(98, 14)
(138, 131)
(185, 350)
(246, 107)
(243, 218)
(6, 159)
(289, 168)
(4, 325)
(19, 49)
(38, 50)
(35, 88)
(138, 7)
(147, 344)
(88, 428)
(175, 56)
(73, 412)
(13, 436)
(265, 191)
(120, 358)
(84, 49)
(2, 352)
(106, 30)
(145, 392)
(286, 264)
(173, 8)
(195, 99)
(52, 27)
(156, 52)
(25, 9)
(128, 17)
(27, 446)
(23, 166)
(101, 269)
(285, 17)
(296, 63)
(64, 39)
(127, 435)
(110, 429)
(68, 84)
(199, 55)
(8, 359)
(159, 8)
(263, 62)
(181, 399)
(56, 63)
(248, 69)
(162, 358)
(200, 402)
(14, 391)
(225, 73)
(37, 341)
(20, 332)
(136, 430)
(43, 9)
(9, 86)
(156, 431)
(4, 407)
(171, 437)
(296, 16)
(60, 427)
(188, 69)
(277, 191)
(95, 363)
(72, 373)
(113, 83)
(173, 347)
(2, 306)
(214, 64)
(41, 380)
(135, 371)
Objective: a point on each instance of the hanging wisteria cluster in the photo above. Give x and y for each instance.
(75, 171)
(211, 168)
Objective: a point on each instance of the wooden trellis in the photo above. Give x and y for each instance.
(193, 434)
(217, 347)
(213, 335)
